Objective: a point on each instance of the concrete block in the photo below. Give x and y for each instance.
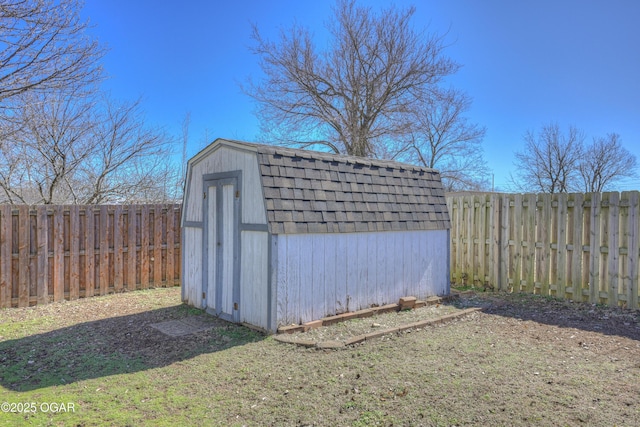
(407, 303)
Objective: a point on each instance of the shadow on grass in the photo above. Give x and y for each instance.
(112, 346)
(557, 312)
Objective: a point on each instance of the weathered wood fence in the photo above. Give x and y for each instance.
(583, 247)
(51, 253)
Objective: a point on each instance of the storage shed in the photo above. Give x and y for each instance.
(274, 236)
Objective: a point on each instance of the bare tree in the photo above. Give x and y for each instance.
(67, 149)
(358, 94)
(43, 47)
(442, 138)
(606, 162)
(550, 160)
(47, 146)
(129, 158)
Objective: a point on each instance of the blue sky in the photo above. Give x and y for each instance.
(525, 63)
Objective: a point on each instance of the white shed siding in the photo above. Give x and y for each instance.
(254, 278)
(192, 262)
(227, 160)
(324, 274)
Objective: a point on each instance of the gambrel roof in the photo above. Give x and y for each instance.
(313, 192)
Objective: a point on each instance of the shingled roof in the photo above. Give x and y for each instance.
(313, 192)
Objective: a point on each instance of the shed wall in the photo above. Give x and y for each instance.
(254, 278)
(192, 266)
(318, 275)
(225, 159)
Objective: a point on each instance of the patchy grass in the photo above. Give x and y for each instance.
(524, 360)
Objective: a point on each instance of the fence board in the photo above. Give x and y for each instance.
(157, 245)
(118, 256)
(494, 246)
(58, 254)
(5, 256)
(561, 278)
(480, 244)
(89, 252)
(74, 252)
(633, 230)
(516, 236)
(144, 247)
(50, 253)
(579, 246)
(23, 256)
(594, 248)
(131, 248)
(43, 254)
(613, 246)
(577, 221)
(529, 234)
(171, 239)
(103, 263)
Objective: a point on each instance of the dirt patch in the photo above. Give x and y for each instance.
(187, 326)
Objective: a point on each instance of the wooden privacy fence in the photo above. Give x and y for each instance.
(51, 253)
(583, 247)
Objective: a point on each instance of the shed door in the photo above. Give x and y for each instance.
(221, 252)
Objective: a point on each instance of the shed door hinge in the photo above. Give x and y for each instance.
(237, 193)
(204, 195)
(204, 295)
